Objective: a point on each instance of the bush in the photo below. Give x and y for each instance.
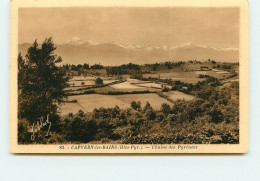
(98, 81)
(89, 92)
(203, 76)
(81, 129)
(216, 114)
(165, 89)
(24, 136)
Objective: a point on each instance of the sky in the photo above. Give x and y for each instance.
(215, 27)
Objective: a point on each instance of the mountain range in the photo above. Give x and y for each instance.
(77, 51)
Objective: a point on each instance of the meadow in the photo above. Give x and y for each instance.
(82, 81)
(187, 77)
(91, 101)
(88, 96)
(175, 95)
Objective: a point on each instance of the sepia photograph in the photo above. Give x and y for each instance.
(133, 90)
(129, 78)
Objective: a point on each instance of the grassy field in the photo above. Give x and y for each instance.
(89, 102)
(81, 80)
(125, 85)
(150, 84)
(174, 95)
(187, 77)
(70, 108)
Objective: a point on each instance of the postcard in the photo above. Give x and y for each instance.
(129, 76)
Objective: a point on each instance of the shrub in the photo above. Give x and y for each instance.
(165, 89)
(203, 75)
(99, 81)
(24, 136)
(81, 129)
(216, 114)
(89, 92)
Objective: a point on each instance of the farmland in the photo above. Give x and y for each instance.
(156, 84)
(89, 102)
(175, 95)
(126, 85)
(187, 77)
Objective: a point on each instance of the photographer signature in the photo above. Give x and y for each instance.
(39, 125)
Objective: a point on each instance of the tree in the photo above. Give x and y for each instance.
(79, 66)
(166, 109)
(165, 89)
(74, 67)
(226, 66)
(40, 82)
(97, 66)
(150, 114)
(147, 106)
(136, 105)
(99, 81)
(86, 66)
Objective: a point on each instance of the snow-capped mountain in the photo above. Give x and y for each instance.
(193, 45)
(80, 51)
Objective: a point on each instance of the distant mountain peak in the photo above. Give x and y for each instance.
(195, 45)
(91, 42)
(76, 51)
(77, 42)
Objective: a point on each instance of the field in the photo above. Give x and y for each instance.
(174, 95)
(125, 85)
(81, 81)
(187, 77)
(150, 84)
(122, 90)
(89, 102)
